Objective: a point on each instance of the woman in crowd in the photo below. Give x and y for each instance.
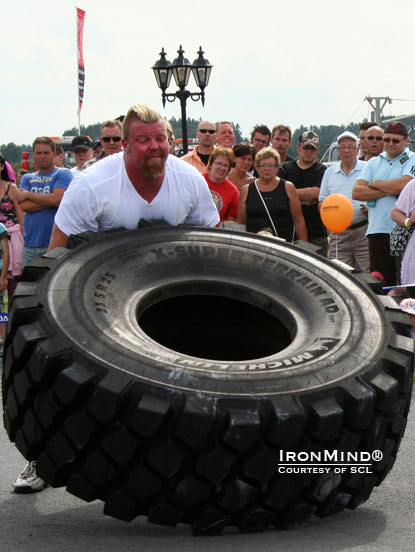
(270, 202)
(403, 213)
(11, 215)
(244, 159)
(225, 194)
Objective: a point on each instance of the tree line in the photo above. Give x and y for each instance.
(328, 133)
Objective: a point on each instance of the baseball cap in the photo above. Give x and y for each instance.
(397, 128)
(347, 134)
(309, 138)
(81, 142)
(379, 276)
(96, 143)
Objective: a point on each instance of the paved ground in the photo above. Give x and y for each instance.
(56, 521)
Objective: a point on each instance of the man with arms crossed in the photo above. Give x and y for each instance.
(380, 183)
(306, 174)
(142, 182)
(39, 196)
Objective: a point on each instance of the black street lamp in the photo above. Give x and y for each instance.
(181, 69)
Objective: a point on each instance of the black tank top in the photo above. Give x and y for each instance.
(278, 205)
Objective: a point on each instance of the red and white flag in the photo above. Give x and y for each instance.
(80, 18)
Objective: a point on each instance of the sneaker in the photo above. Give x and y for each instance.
(28, 481)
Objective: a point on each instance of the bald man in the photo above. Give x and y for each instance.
(199, 157)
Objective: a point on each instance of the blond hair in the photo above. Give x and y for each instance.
(266, 153)
(112, 123)
(140, 112)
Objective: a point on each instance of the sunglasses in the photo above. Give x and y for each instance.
(113, 138)
(204, 130)
(377, 138)
(393, 140)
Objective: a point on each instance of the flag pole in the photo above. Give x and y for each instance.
(77, 70)
(80, 18)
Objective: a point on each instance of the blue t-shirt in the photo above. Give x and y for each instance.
(383, 168)
(39, 224)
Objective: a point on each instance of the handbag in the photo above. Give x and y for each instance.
(399, 238)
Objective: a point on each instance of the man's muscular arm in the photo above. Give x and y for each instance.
(44, 201)
(394, 186)
(308, 195)
(58, 238)
(363, 192)
(29, 206)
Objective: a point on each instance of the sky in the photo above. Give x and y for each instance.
(305, 62)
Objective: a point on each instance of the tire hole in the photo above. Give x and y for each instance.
(215, 327)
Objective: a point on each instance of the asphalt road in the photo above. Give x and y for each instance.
(54, 520)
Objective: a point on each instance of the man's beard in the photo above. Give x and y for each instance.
(156, 168)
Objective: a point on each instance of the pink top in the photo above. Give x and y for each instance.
(406, 204)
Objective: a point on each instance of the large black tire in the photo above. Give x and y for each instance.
(166, 370)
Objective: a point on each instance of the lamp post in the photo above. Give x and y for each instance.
(181, 69)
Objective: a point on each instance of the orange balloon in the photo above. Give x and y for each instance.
(337, 213)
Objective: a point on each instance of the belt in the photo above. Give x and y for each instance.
(357, 225)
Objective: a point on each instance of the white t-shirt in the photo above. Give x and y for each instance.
(102, 197)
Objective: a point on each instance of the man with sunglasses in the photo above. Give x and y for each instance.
(364, 127)
(111, 141)
(199, 157)
(380, 183)
(374, 142)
